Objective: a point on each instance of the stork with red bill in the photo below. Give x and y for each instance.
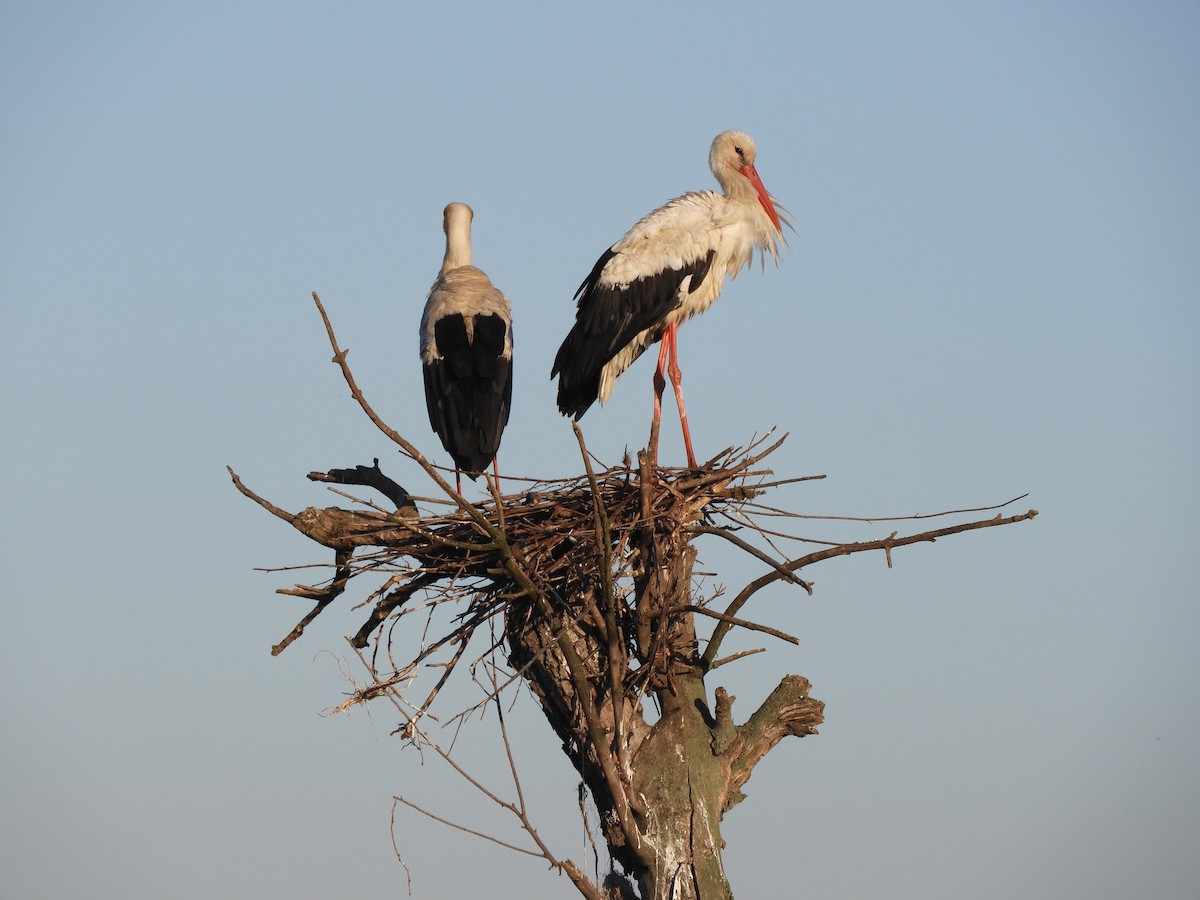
(668, 267)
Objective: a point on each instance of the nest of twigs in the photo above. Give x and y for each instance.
(495, 552)
(568, 555)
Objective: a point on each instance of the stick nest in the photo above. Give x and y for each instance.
(495, 551)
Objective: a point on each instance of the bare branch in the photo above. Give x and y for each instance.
(915, 516)
(479, 834)
(753, 551)
(265, 504)
(412, 729)
(396, 847)
(886, 544)
(730, 621)
(323, 598)
(733, 657)
(371, 476)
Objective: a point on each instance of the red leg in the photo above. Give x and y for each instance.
(660, 384)
(458, 480)
(671, 340)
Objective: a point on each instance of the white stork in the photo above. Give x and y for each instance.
(466, 354)
(668, 267)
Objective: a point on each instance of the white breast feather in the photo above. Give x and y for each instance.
(682, 231)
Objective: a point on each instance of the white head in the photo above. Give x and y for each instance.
(456, 216)
(732, 162)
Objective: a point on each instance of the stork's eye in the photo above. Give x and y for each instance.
(739, 151)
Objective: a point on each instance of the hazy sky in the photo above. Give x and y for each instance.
(993, 289)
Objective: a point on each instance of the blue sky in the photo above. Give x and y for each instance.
(993, 288)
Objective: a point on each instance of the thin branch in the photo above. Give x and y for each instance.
(265, 504)
(729, 621)
(733, 657)
(342, 575)
(912, 518)
(396, 846)
(742, 520)
(449, 669)
(390, 602)
(412, 729)
(581, 881)
(717, 475)
(886, 544)
(753, 551)
(479, 834)
(763, 485)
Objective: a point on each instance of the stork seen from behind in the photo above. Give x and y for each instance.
(466, 354)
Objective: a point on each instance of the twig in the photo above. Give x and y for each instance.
(729, 621)
(914, 517)
(480, 834)
(724, 660)
(265, 504)
(753, 551)
(341, 576)
(396, 846)
(888, 543)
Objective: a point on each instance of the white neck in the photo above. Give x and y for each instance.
(457, 225)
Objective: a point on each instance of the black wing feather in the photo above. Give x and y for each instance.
(468, 391)
(607, 319)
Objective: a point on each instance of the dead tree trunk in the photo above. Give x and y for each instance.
(671, 781)
(593, 581)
